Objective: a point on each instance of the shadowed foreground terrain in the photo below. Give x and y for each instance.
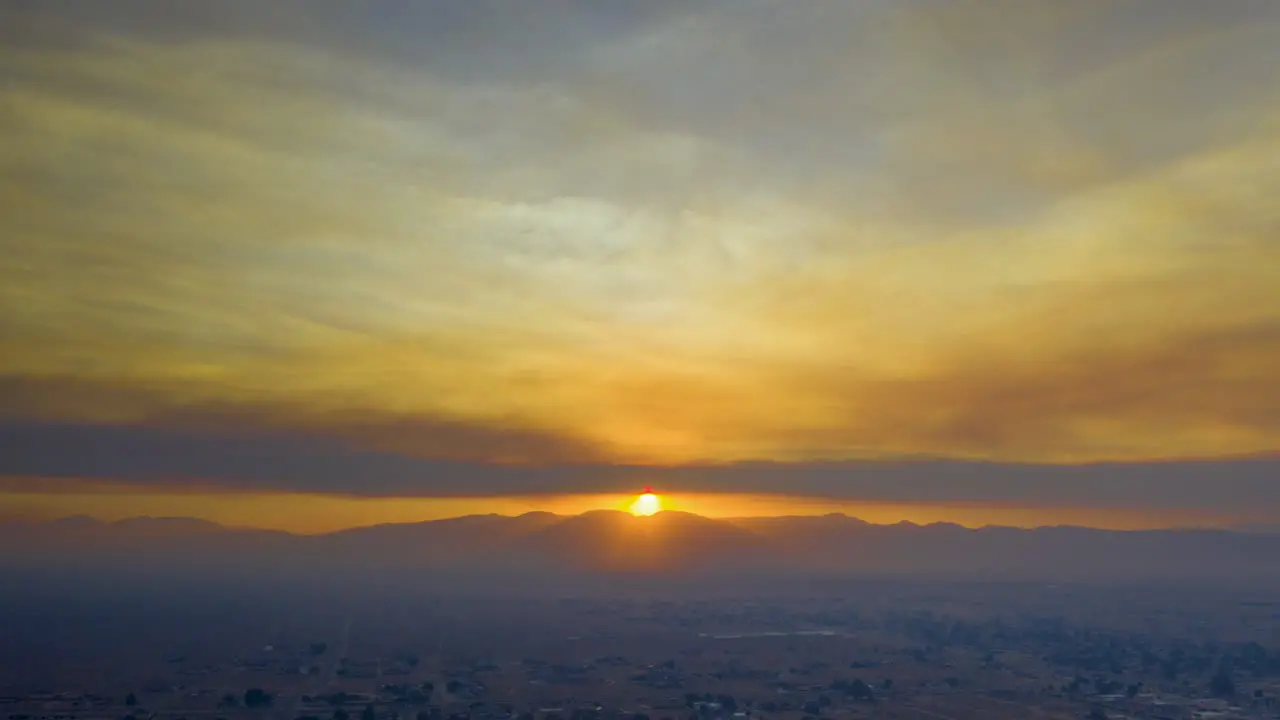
(605, 616)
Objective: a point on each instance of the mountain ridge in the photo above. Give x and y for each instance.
(668, 543)
(738, 519)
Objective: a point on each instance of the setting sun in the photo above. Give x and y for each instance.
(647, 503)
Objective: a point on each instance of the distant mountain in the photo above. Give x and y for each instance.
(451, 541)
(820, 541)
(84, 528)
(81, 539)
(839, 544)
(668, 543)
(613, 541)
(1259, 528)
(165, 526)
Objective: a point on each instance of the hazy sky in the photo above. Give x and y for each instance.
(373, 248)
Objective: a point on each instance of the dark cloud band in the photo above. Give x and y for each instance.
(54, 453)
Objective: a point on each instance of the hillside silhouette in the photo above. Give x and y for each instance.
(675, 543)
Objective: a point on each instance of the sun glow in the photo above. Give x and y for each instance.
(645, 504)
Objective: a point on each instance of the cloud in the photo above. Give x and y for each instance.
(254, 460)
(248, 455)
(135, 411)
(1191, 396)
(653, 233)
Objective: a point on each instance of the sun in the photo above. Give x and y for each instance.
(647, 503)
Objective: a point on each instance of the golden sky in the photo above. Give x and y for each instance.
(649, 233)
(309, 513)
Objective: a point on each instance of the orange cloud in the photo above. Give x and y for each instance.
(994, 246)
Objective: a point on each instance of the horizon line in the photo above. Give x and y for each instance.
(1242, 528)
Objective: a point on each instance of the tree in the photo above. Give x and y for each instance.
(887, 684)
(859, 690)
(229, 700)
(341, 714)
(131, 700)
(256, 698)
(369, 713)
(317, 649)
(1132, 691)
(1097, 713)
(1221, 686)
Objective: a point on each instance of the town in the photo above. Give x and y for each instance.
(949, 652)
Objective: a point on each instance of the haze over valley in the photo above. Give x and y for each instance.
(639, 360)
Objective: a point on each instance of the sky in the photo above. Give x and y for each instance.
(314, 264)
